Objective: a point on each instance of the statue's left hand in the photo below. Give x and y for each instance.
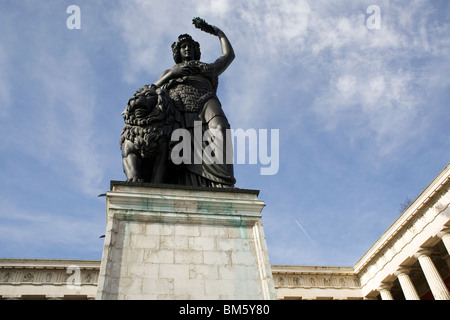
(206, 27)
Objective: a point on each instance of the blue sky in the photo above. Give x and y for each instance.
(362, 114)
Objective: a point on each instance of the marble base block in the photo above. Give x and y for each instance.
(171, 242)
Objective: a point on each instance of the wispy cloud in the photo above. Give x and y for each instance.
(26, 233)
(375, 89)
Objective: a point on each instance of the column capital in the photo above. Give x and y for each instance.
(402, 270)
(444, 233)
(383, 289)
(384, 286)
(423, 252)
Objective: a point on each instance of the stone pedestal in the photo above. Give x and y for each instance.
(170, 242)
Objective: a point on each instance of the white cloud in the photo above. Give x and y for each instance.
(346, 86)
(213, 8)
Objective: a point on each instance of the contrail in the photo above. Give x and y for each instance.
(304, 231)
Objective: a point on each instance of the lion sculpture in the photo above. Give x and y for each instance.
(145, 137)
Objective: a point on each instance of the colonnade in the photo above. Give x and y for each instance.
(431, 273)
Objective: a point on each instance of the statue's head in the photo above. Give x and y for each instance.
(176, 46)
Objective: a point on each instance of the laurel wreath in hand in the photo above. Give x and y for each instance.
(204, 26)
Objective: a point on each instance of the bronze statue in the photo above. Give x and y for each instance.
(182, 98)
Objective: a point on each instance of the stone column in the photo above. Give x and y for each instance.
(384, 291)
(407, 286)
(434, 279)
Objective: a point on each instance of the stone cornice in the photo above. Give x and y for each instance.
(315, 277)
(181, 187)
(47, 263)
(170, 204)
(312, 270)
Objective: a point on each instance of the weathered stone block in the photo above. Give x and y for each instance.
(159, 256)
(174, 271)
(187, 230)
(189, 257)
(214, 231)
(159, 229)
(201, 271)
(191, 287)
(143, 270)
(217, 258)
(174, 243)
(157, 286)
(220, 287)
(201, 243)
(145, 241)
(242, 258)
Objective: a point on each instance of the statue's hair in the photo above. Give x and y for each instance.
(176, 47)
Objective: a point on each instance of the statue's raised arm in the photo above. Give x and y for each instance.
(182, 54)
(228, 55)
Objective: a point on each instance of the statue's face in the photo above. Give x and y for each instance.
(187, 51)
